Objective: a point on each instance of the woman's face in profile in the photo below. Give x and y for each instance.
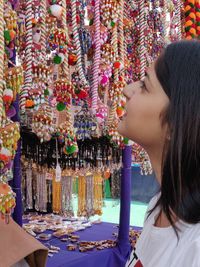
(146, 102)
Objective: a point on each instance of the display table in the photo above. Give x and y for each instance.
(105, 258)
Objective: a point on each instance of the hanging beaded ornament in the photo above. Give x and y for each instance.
(101, 113)
(63, 91)
(109, 12)
(98, 194)
(57, 39)
(51, 24)
(66, 135)
(42, 191)
(79, 88)
(14, 79)
(85, 124)
(41, 72)
(42, 123)
(35, 97)
(9, 138)
(146, 167)
(113, 134)
(66, 193)
(89, 194)
(105, 74)
(7, 201)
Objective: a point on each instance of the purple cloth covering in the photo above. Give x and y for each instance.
(105, 258)
(125, 199)
(16, 182)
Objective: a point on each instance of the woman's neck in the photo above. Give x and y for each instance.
(162, 221)
(156, 161)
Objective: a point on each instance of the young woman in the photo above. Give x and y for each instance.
(163, 116)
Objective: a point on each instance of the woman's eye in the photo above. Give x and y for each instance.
(143, 86)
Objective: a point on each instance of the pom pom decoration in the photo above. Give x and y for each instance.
(117, 65)
(7, 97)
(5, 155)
(57, 59)
(104, 80)
(66, 135)
(60, 106)
(71, 149)
(29, 103)
(62, 56)
(56, 11)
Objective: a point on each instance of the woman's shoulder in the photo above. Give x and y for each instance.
(151, 205)
(188, 251)
(153, 201)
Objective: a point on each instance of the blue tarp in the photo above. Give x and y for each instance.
(143, 187)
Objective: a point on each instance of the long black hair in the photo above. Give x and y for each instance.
(178, 71)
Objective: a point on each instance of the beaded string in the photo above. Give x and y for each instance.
(121, 35)
(95, 80)
(77, 44)
(142, 39)
(190, 19)
(42, 191)
(164, 14)
(29, 195)
(98, 193)
(179, 24)
(197, 9)
(89, 194)
(1, 60)
(56, 191)
(114, 43)
(66, 195)
(64, 25)
(43, 7)
(81, 196)
(28, 55)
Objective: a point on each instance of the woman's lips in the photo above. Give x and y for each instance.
(124, 115)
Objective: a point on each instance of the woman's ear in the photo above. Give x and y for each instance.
(168, 134)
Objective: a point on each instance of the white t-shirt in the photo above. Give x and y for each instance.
(159, 247)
